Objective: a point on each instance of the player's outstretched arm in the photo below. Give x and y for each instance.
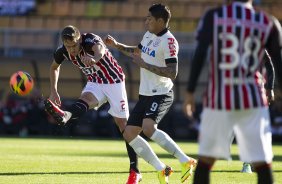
(169, 71)
(125, 49)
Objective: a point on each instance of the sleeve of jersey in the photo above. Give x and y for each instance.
(90, 40)
(274, 48)
(269, 72)
(204, 39)
(170, 49)
(59, 55)
(140, 46)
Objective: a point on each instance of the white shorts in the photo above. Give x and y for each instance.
(251, 128)
(115, 94)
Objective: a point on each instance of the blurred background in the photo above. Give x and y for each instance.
(29, 34)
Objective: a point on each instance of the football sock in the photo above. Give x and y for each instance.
(143, 149)
(132, 158)
(265, 175)
(164, 140)
(202, 173)
(78, 109)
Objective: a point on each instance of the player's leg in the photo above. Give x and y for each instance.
(119, 110)
(134, 173)
(202, 171)
(90, 97)
(246, 167)
(156, 108)
(253, 134)
(216, 129)
(144, 150)
(140, 145)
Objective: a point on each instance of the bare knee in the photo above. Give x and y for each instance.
(90, 99)
(121, 123)
(131, 132)
(149, 127)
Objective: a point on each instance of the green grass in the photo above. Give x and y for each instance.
(76, 161)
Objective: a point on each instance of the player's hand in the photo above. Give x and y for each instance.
(110, 41)
(189, 105)
(270, 96)
(55, 98)
(87, 60)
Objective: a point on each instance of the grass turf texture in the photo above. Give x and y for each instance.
(76, 161)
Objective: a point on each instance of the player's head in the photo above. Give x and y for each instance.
(71, 39)
(158, 18)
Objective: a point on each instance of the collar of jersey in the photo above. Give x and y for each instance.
(163, 32)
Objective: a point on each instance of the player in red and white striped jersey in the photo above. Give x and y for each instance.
(236, 36)
(105, 80)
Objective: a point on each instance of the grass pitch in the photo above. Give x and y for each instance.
(77, 161)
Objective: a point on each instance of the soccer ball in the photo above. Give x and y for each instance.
(21, 83)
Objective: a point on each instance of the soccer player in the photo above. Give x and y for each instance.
(158, 67)
(236, 36)
(89, 53)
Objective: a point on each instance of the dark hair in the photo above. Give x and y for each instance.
(70, 33)
(160, 11)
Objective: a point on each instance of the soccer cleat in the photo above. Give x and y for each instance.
(246, 168)
(164, 174)
(134, 177)
(55, 112)
(187, 169)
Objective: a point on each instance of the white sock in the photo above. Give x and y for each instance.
(162, 139)
(143, 149)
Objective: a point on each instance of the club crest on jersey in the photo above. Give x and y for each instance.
(150, 42)
(157, 42)
(149, 51)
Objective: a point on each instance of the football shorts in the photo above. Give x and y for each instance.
(252, 131)
(115, 94)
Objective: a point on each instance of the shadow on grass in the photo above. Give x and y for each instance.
(277, 158)
(101, 172)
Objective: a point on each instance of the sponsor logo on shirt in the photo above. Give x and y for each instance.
(171, 46)
(149, 51)
(157, 42)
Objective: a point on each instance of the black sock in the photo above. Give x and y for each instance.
(78, 109)
(202, 173)
(265, 175)
(133, 159)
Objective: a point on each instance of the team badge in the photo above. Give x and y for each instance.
(157, 42)
(150, 42)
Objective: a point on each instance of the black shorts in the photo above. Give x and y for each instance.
(153, 107)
